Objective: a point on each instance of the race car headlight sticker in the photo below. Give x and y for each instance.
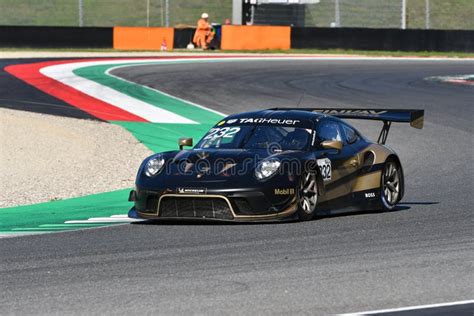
(154, 166)
(267, 168)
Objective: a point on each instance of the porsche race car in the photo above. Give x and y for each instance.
(274, 164)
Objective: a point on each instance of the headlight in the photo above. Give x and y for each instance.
(267, 168)
(153, 166)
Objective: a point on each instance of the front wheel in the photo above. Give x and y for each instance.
(391, 185)
(307, 196)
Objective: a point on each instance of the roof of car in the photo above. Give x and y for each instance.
(278, 114)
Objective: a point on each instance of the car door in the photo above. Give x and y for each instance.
(353, 139)
(344, 162)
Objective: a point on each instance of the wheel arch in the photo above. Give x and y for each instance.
(395, 158)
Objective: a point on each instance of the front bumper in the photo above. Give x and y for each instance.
(234, 205)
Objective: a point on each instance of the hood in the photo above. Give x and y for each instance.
(213, 155)
(215, 164)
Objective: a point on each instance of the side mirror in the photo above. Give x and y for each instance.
(332, 144)
(185, 141)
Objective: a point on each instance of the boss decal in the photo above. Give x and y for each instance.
(325, 168)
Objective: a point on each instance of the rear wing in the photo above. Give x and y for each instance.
(387, 116)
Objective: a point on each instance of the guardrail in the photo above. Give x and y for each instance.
(382, 39)
(239, 38)
(56, 37)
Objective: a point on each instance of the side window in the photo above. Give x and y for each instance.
(351, 135)
(328, 130)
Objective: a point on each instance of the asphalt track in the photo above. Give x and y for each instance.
(420, 254)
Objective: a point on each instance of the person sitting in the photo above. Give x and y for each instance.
(204, 33)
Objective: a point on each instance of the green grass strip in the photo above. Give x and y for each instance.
(163, 137)
(31, 217)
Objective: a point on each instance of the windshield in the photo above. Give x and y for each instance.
(276, 138)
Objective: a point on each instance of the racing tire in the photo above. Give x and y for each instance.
(391, 185)
(307, 197)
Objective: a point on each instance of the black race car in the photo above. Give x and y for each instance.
(275, 164)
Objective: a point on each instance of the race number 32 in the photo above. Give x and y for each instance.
(324, 166)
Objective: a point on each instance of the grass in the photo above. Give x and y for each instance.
(452, 14)
(110, 12)
(291, 51)
(445, 14)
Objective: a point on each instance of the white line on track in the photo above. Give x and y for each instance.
(401, 309)
(17, 234)
(111, 219)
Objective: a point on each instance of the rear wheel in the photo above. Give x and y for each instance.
(392, 185)
(307, 196)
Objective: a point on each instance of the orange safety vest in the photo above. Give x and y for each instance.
(203, 29)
